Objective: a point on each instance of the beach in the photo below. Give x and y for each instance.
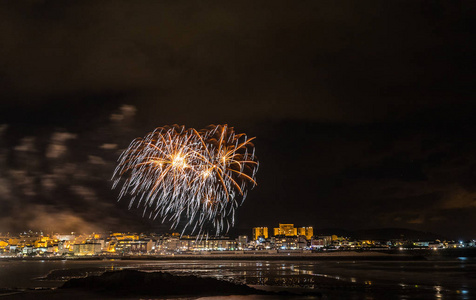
(395, 277)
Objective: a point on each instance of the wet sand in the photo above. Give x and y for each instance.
(331, 255)
(336, 279)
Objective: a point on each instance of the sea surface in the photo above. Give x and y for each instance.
(360, 279)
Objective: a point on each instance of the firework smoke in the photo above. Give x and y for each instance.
(181, 174)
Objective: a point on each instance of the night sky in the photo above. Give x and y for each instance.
(364, 111)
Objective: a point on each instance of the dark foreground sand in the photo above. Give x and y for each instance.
(84, 295)
(131, 284)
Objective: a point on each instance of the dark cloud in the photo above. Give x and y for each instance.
(363, 110)
(59, 180)
(341, 61)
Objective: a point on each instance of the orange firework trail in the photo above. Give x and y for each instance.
(184, 174)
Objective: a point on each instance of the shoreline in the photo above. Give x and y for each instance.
(334, 255)
(220, 256)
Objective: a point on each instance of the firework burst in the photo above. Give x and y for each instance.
(180, 174)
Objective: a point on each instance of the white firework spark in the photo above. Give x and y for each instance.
(184, 174)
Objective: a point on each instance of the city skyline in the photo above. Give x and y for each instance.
(255, 233)
(286, 240)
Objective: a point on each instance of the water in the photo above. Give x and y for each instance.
(444, 279)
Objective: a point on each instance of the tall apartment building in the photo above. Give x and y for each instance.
(260, 232)
(308, 232)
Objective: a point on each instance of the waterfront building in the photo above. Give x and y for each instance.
(123, 246)
(44, 242)
(40, 250)
(454, 244)
(13, 241)
(192, 244)
(170, 244)
(13, 249)
(27, 249)
(336, 238)
(242, 242)
(3, 246)
(287, 242)
(367, 243)
(220, 243)
(317, 243)
(260, 232)
(348, 245)
(286, 230)
(321, 241)
(142, 246)
(87, 249)
(63, 247)
(125, 236)
(307, 232)
(111, 246)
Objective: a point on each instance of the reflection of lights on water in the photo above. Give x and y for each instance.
(438, 291)
(463, 292)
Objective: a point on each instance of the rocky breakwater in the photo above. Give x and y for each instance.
(136, 283)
